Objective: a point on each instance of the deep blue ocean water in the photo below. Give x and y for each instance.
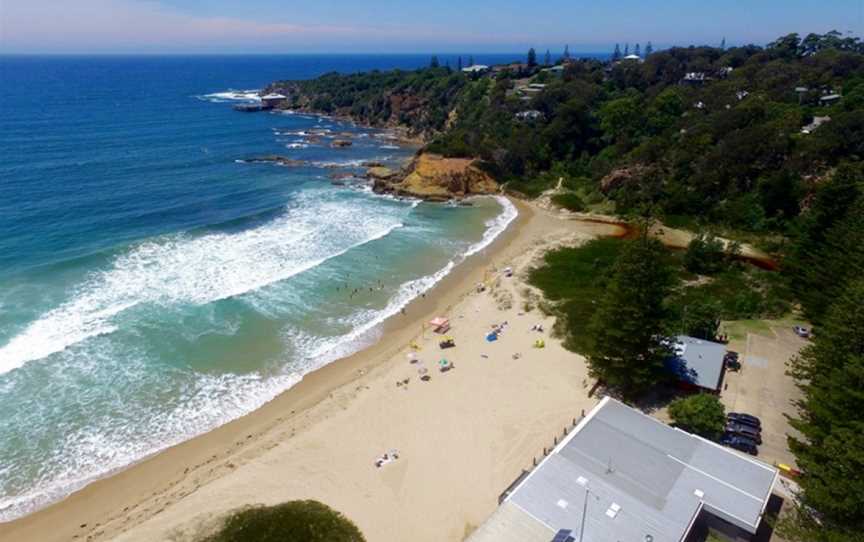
(154, 284)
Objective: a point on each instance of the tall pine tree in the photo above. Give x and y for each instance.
(829, 249)
(617, 54)
(566, 55)
(830, 373)
(648, 49)
(637, 51)
(434, 63)
(628, 354)
(626, 49)
(532, 58)
(459, 63)
(547, 59)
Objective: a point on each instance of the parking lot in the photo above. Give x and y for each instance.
(762, 387)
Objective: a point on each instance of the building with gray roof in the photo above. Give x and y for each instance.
(623, 476)
(697, 362)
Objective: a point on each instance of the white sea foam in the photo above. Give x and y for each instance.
(296, 145)
(91, 452)
(365, 326)
(183, 269)
(495, 226)
(192, 270)
(232, 96)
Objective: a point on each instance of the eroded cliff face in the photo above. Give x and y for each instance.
(406, 113)
(435, 178)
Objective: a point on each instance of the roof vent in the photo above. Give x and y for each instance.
(562, 503)
(699, 493)
(582, 481)
(613, 510)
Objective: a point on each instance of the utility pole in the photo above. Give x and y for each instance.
(584, 513)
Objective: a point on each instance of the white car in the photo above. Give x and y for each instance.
(802, 332)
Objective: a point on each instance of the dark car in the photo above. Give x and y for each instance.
(739, 443)
(741, 430)
(731, 361)
(745, 419)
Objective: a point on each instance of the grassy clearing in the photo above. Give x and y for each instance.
(738, 329)
(573, 279)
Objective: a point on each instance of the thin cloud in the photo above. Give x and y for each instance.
(134, 25)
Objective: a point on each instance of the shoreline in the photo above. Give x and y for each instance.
(102, 499)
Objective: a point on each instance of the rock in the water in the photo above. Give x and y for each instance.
(341, 175)
(340, 143)
(278, 159)
(380, 172)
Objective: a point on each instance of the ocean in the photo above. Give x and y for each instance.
(156, 282)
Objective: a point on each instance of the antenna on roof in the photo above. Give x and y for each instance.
(609, 469)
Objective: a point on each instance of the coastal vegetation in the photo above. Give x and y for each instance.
(724, 136)
(702, 414)
(293, 521)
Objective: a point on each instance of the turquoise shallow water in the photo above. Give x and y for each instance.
(153, 285)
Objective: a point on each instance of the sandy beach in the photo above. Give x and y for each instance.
(462, 437)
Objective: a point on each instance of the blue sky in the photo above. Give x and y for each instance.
(362, 26)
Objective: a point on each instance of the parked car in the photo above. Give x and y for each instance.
(731, 361)
(745, 419)
(802, 332)
(739, 429)
(743, 444)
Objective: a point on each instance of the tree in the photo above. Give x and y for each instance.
(434, 62)
(723, 44)
(830, 452)
(626, 49)
(637, 50)
(293, 521)
(617, 54)
(620, 119)
(566, 55)
(705, 255)
(532, 58)
(628, 353)
(702, 414)
(701, 319)
(648, 49)
(459, 63)
(829, 249)
(470, 60)
(547, 59)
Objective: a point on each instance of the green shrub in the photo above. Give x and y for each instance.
(701, 414)
(294, 521)
(569, 201)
